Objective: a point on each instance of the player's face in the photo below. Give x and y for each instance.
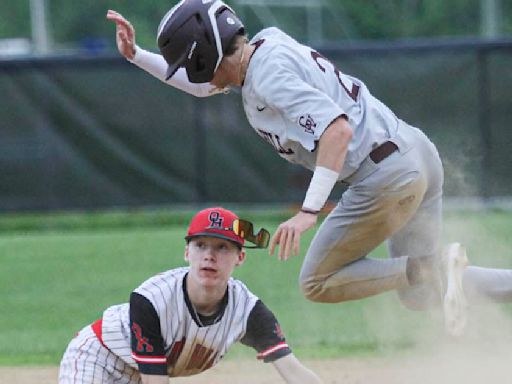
(228, 71)
(212, 259)
(221, 78)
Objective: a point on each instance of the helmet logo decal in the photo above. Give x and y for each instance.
(230, 21)
(192, 49)
(215, 220)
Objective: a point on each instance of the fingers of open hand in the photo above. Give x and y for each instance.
(288, 245)
(120, 21)
(286, 238)
(274, 241)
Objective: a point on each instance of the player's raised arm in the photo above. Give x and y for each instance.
(292, 371)
(153, 63)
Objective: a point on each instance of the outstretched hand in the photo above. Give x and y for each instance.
(288, 234)
(125, 34)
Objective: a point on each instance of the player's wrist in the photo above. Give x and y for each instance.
(320, 188)
(309, 211)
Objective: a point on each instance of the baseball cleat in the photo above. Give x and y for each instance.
(454, 303)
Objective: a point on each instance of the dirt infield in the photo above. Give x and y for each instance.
(347, 371)
(445, 367)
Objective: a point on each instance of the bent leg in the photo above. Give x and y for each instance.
(336, 267)
(420, 237)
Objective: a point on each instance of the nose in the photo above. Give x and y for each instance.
(209, 253)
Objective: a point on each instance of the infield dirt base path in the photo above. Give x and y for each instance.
(349, 371)
(440, 369)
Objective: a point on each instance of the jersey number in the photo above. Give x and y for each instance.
(351, 92)
(274, 141)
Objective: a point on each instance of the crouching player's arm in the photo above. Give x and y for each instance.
(147, 342)
(292, 370)
(154, 379)
(264, 334)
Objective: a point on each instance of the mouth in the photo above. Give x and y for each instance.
(208, 270)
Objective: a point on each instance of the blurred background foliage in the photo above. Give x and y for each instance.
(79, 24)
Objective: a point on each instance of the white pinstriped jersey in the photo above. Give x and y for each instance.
(189, 348)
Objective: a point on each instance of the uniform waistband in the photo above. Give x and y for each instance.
(369, 165)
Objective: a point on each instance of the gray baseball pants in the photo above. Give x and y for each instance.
(398, 200)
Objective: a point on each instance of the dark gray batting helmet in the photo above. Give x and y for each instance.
(195, 34)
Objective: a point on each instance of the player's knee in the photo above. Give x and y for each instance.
(311, 291)
(310, 287)
(316, 291)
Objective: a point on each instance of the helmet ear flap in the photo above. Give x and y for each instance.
(200, 63)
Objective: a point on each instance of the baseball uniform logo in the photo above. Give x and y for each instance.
(278, 331)
(307, 123)
(216, 220)
(143, 344)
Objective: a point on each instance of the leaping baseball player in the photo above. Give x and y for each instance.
(183, 321)
(315, 115)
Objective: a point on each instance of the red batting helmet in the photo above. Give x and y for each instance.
(195, 34)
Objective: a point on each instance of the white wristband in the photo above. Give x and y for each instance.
(320, 188)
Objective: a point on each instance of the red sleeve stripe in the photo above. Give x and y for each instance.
(149, 359)
(269, 351)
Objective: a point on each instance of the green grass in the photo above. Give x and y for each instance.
(60, 277)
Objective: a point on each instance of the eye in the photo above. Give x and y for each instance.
(200, 244)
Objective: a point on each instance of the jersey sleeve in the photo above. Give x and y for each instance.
(264, 334)
(147, 343)
(285, 87)
(155, 65)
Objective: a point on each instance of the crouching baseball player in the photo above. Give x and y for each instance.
(182, 322)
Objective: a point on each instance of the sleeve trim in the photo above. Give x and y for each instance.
(270, 350)
(149, 359)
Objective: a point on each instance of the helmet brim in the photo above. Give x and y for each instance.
(213, 234)
(171, 70)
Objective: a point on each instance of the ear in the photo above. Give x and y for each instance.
(185, 257)
(241, 258)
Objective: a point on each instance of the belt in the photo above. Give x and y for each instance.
(383, 151)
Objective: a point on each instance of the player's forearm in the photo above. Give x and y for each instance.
(332, 150)
(333, 145)
(292, 371)
(154, 379)
(156, 65)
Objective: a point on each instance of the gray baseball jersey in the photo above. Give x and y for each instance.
(291, 94)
